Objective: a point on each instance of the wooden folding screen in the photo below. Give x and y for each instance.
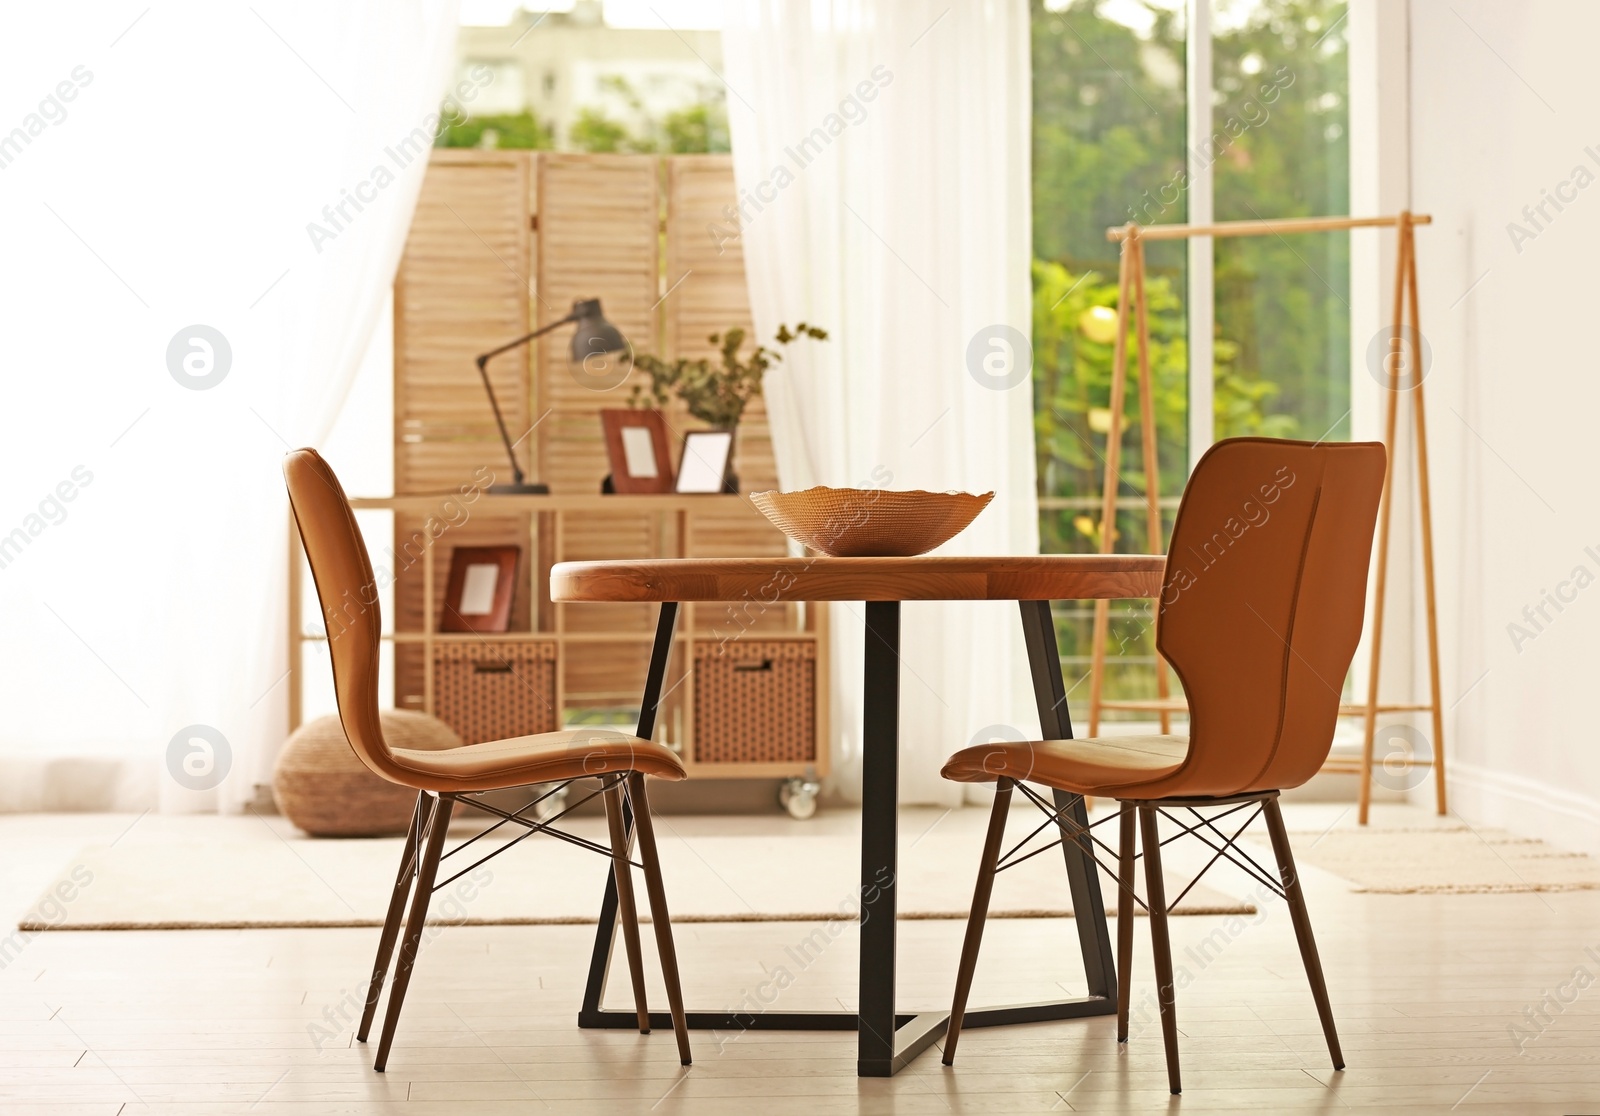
(504, 241)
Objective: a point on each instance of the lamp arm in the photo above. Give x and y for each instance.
(525, 338)
(482, 362)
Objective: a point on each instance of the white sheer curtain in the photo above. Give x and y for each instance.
(176, 187)
(881, 151)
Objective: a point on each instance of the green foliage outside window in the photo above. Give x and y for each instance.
(1074, 326)
(594, 131)
(512, 130)
(698, 128)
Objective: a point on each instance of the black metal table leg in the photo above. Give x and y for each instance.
(1088, 905)
(880, 775)
(591, 1015)
(881, 1048)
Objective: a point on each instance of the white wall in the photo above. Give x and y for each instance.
(1503, 106)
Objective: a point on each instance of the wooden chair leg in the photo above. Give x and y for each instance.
(1125, 916)
(978, 915)
(627, 912)
(1302, 926)
(397, 907)
(1156, 899)
(427, 872)
(660, 920)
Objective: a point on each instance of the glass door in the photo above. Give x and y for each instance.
(1109, 110)
(1170, 112)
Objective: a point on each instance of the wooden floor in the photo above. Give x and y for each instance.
(1426, 989)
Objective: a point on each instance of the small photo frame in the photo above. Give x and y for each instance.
(482, 586)
(704, 465)
(636, 445)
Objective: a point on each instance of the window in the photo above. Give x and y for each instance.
(602, 78)
(1117, 138)
(1282, 303)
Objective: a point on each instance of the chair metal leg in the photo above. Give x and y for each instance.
(397, 907)
(627, 912)
(660, 920)
(1125, 905)
(1302, 926)
(427, 872)
(976, 918)
(1156, 900)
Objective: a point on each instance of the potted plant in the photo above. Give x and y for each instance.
(716, 391)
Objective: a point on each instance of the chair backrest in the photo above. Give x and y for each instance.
(348, 593)
(1262, 605)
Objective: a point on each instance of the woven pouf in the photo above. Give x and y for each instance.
(322, 787)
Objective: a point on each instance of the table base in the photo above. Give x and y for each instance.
(914, 1033)
(884, 1048)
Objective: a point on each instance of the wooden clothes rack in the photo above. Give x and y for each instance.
(1131, 283)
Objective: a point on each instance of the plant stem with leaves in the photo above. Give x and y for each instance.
(717, 392)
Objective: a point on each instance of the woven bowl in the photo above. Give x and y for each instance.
(322, 787)
(870, 522)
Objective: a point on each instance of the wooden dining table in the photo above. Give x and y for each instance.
(888, 1039)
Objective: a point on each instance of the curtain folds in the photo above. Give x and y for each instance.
(200, 246)
(881, 149)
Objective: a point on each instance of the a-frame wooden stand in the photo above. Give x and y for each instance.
(1130, 290)
(1403, 355)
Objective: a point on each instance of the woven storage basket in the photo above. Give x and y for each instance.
(755, 702)
(322, 787)
(493, 691)
(870, 522)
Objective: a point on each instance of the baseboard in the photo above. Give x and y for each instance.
(1529, 807)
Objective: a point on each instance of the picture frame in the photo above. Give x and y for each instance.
(636, 446)
(704, 464)
(481, 590)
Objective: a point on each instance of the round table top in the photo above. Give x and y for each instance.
(1050, 577)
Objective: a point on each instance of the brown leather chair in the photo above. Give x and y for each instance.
(1261, 609)
(348, 593)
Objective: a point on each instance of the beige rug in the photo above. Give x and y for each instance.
(276, 881)
(1448, 859)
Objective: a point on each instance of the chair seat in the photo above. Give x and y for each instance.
(1095, 765)
(547, 757)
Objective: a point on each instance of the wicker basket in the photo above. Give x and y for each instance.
(755, 702)
(870, 522)
(492, 691)
(322, 787)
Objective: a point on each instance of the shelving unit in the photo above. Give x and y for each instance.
(599, 664)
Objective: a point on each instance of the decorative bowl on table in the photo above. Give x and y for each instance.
(870, 522)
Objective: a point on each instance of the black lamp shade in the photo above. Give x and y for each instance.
(594, 336)
(601, 357)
